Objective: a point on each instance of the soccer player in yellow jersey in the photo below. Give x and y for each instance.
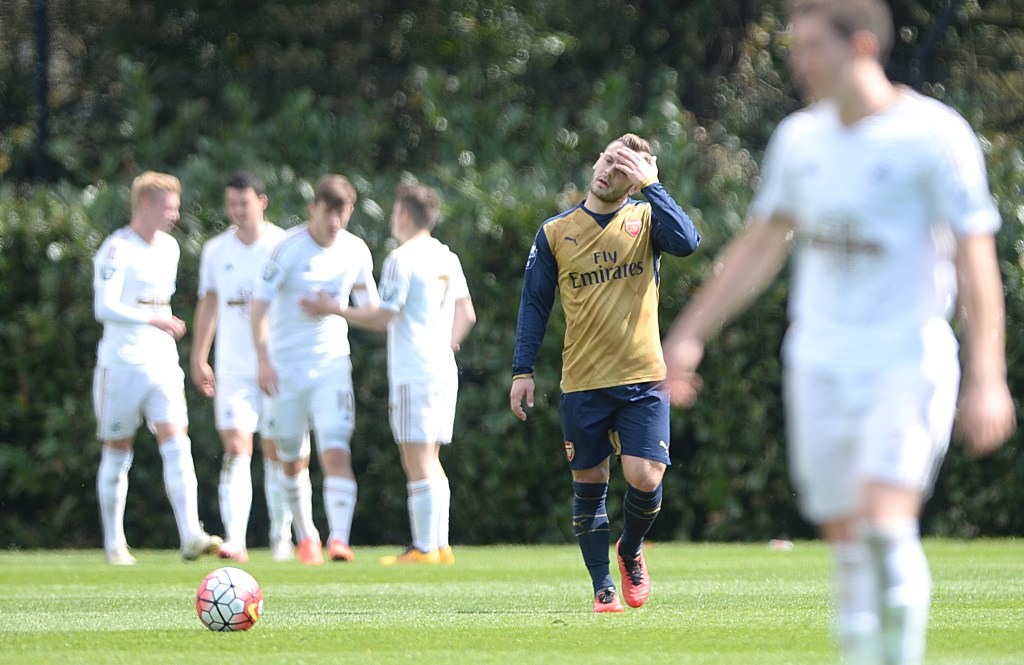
(602, 257)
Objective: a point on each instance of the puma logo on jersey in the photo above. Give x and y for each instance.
(573, 240)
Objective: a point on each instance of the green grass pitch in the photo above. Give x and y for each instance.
(711, 604)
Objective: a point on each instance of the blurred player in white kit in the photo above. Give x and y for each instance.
(137, 372)
(229, 269)
(427, 312)
(883, 194)
(304, 363)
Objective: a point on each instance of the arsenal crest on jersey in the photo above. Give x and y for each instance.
(633, 227)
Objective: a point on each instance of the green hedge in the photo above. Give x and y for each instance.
(502, 170)
(502, 108)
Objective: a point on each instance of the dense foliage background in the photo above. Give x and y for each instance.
(503, 106)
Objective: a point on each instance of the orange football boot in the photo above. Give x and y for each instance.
(339, 551)
(607, 600)
(636, 582)
(310, 552)
(412, 555)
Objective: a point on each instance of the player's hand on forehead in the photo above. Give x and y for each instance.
(638, 167)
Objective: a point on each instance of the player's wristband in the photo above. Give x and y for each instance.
(522, 376)
(650, 182)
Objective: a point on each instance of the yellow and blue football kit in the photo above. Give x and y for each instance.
(605, 269)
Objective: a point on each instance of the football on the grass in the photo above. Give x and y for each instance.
(229, 599)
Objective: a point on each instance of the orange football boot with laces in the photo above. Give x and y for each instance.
(607, 600)
(636, 582)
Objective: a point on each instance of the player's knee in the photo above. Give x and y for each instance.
(643, 474)
(885, 533)
(290, 449)
(334, 438)
(597, 474)
(645, 483)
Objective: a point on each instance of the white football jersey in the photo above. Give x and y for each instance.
(298, 267)
(133, 282)
(877, 207)
(231, 269)
(420, 281)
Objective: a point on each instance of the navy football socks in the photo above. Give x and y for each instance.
(639, 510)
(590, 523)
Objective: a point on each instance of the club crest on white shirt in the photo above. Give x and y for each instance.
(840, 236)
(241, 301)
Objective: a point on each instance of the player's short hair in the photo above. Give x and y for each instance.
(152, 182)
(335, 191)
(246, 180)
(421, 202)
(634, 142)
(851, 16)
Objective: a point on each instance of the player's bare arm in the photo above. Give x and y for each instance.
(204, 328)
(522, 387)
(743, 270)
(367, 314)
(986, 415)
(465, 319)
(266, 375)
(370, 316)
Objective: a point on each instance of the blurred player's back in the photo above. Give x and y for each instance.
(420, 337)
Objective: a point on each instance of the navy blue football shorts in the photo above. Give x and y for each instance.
(625, 420)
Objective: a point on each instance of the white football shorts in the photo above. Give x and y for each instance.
(123, 396)
(237, 403)
(317, 396)
(423, 412)
(845, 429)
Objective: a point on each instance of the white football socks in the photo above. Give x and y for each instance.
(857, 604)
(299, 492)
(902, 568)
(277, 504)
(443, 498)
(180, 483)
(340, 505)
(235, 494)
(422, 502)
(429, 504)
(112, 490)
